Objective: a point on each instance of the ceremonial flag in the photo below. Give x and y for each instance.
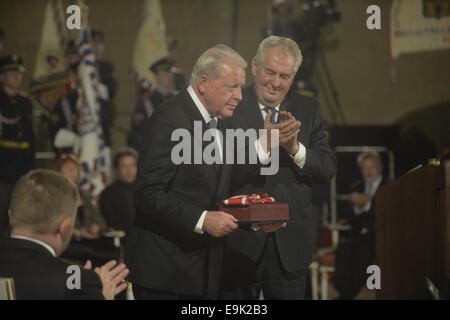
(151, 43)
(50, 57)
(93, 153)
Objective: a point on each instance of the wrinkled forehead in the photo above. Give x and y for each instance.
(230, 71)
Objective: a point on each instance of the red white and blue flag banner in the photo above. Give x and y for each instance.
(93, 153)
(419, 25)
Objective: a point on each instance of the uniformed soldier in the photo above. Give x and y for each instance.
(105, 68)
(180, 78)
(106, 77)
(164, 89)
(16, 129)
(64, 114)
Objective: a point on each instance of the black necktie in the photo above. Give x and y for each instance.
(212, 124)
(273, 116)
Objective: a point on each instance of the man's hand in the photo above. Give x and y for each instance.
(112, 276)
(219, 223)
(272, 227)
(359, 199)
(288, 129)
(289, 132)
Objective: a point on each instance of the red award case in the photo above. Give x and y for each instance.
(259, 212)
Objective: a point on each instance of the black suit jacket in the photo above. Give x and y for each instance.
(291, 184)
(163, 251)
(38, 275)
(363, 224)
(116, 205)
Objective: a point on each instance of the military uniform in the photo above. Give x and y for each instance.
(64, 116)
(146, 105)
(106, 77)
(16, 129)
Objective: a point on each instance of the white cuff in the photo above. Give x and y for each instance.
(358, 211)
(263, 156)
(300, 157)
(199, 226)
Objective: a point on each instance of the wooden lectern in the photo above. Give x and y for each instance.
(413, 234)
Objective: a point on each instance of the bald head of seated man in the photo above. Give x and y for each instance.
(42, 215)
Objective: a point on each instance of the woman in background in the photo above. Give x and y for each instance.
(89, 223)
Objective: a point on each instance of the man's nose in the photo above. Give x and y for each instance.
(276, 81)
(238, 94)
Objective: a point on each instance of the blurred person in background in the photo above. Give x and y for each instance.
(116, 201)
(356, 250)
(163, 90)
(89, 222)
(16, 131)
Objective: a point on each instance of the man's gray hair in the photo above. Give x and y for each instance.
(288, 46)
(211, 61)
(369, 155)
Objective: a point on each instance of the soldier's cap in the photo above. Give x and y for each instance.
(164, 64)
(11, 62)
(97, 35)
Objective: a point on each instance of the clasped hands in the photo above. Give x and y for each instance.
(286, 135)
(359, 199)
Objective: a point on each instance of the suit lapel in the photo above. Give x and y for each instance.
(195, 115)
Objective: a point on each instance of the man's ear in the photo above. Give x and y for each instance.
(202, 83)
(65, 225)
(254, 66)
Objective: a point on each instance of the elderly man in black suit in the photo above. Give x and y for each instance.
(42, 219)
(277, 262)
(175, 247)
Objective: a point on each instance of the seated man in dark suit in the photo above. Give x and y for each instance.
(116, 201)
(42, 217)
(356, 249)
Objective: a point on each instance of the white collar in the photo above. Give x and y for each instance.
(45, 245)
(376, 181)
(205, 114)
(262, 107)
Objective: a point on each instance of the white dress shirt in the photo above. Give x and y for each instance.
(42, 243)
(207, 117)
